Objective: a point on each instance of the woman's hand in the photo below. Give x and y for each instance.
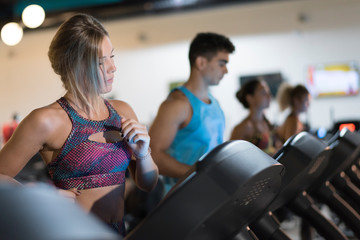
(146, 172)
(136, 135)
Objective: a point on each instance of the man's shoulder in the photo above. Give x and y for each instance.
(176, 98)
(176, 94)
(175, 106)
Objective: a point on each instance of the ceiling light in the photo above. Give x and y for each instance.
(11, 33)
(33, 16)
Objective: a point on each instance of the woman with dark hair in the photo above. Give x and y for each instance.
(255, 128)
(297, 98)
(86, 141)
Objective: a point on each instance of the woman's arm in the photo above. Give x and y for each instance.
(143, 170)
(146, 172)
(28, 138)
(43, 128)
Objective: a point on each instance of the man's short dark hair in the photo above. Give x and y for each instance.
(208, 45)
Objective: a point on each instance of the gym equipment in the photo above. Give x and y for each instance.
(353, 172)
(224, 191)
(346, 152)
(342, 155)
(350, 172)
(34, 171)
(305, 158)
(245, 233)
(351, 124)
(39, 212)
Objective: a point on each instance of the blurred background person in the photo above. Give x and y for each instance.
(256, 128)
(190, 122)
(9, 128)
(297, 99)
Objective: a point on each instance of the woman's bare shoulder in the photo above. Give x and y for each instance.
(243, 130)
(123, 108)
(245, 125)
(51, 112)
(42, 127)
(48, 121)
(291, 120)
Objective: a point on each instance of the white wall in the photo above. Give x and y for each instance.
(288, 53)
(152, 51)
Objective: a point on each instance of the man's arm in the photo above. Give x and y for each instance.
(174, 114)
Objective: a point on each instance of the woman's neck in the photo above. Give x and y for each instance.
(295, 113)
(96, 110)
(256, 115)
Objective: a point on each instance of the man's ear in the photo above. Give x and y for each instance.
(200, 62)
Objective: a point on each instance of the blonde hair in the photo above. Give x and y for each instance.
(287, 93)
(74, 55)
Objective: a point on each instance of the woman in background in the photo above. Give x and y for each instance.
(297, 98)
(256, 128)
(86, 141)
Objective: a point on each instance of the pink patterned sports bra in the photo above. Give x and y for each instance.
(85, 164)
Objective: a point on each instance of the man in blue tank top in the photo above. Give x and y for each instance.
(190, 122)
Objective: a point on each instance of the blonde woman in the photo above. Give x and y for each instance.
(86, 141)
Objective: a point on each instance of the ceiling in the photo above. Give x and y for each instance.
(59, 10)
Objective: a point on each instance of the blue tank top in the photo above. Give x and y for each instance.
(204, 132)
